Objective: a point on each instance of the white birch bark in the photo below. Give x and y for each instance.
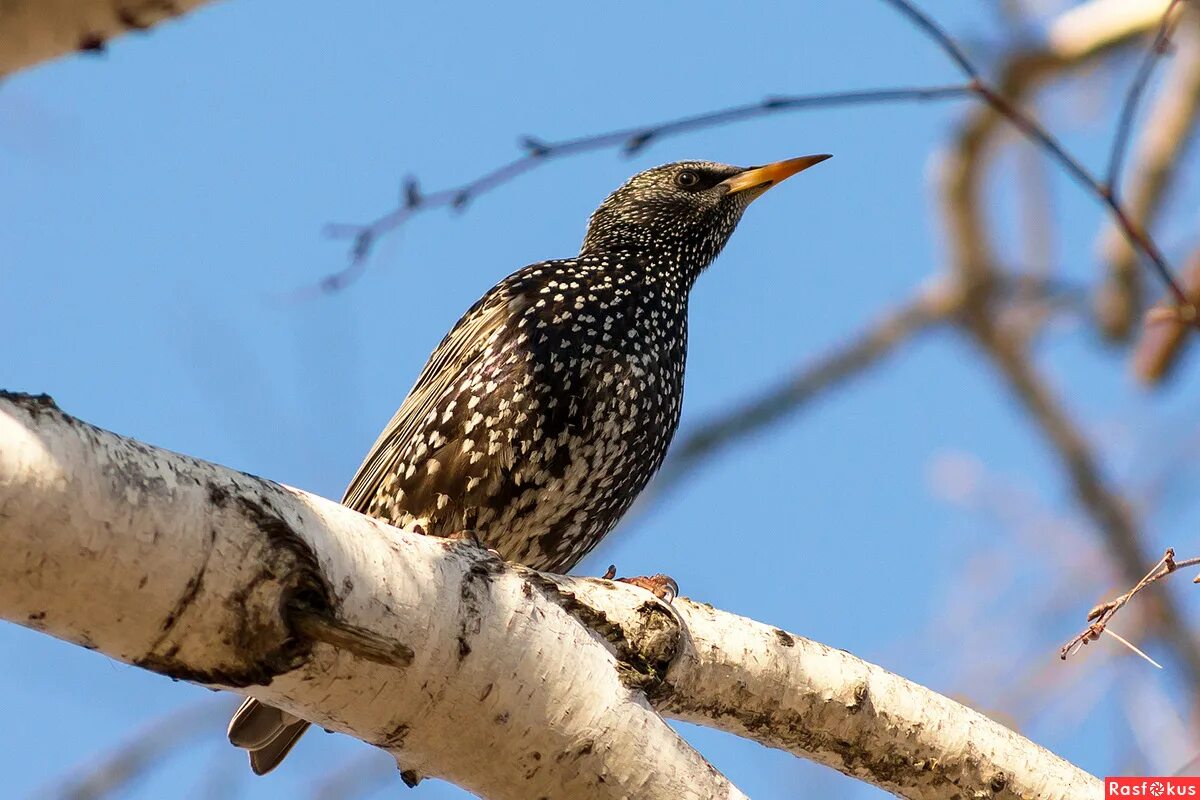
(508, 682)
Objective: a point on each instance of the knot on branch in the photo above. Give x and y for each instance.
(258, 616)
(644, 644)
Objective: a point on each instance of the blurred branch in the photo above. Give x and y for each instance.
(141, 753)
(866, 349)
(1101, 615)
(1107, 509)
(960, 190)
(1162, 143)
(361, 774)
(1004, 100)
(1075, 31)
(1000, 98)
(1163, 338)
(1158, 46)
(33, 31)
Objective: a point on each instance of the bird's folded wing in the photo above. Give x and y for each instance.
(453, 359)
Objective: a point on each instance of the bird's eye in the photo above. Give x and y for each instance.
(687, 179)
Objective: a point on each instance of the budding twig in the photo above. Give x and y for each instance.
(1101, 615)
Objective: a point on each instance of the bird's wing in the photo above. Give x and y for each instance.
(459, 350)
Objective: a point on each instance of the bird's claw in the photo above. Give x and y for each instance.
(664, 587)
(472, 538)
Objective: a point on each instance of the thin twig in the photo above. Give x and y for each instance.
(629, 140)
(972, 257)
(1162, 141)
(635, 139)
(1101, 615)
(1036, 132)
(1133, 97)
(1106, 507)
(938, 34)
(1137, 650)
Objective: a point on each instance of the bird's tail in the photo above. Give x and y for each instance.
(266, 732)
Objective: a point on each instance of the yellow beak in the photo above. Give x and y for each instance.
(758, 179)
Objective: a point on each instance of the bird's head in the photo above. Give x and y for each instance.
(684, 212)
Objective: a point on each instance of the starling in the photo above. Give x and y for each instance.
(545, 411)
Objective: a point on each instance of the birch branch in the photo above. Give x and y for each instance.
(459, 667)
(508, 682)
(33, 31)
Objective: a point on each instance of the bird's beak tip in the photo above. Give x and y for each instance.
(768, 175)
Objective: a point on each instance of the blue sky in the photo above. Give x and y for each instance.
(159, 200)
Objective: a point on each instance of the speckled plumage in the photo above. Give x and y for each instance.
(549, 406)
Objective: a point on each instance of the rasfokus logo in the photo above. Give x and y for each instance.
(1151, 787)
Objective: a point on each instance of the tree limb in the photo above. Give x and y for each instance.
(33, 31)
(116, 771)
(1161, 145)
(201, 573)
(932, 305)
(972, 258)
(1108, 510)
(1102, 614)
(1164, 338)
(508, 682)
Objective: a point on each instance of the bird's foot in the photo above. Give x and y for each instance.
(472, 538)
(664, 587)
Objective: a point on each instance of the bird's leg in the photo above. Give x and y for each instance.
(664, 587)
(472, 538)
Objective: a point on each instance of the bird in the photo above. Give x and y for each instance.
(548, 407)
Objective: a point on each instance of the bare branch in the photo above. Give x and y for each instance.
(1102, 615)
(867, 348)
(1005, 102)
(1074, 33)
(1107, 509)
(972, 258)
(1158, 46)
(635, 139)
(827, 705)
(141, 753)
(197, 567)
(1162, 143)
(1164, 336)
(198, 572)
(924, 23)
(629, 140)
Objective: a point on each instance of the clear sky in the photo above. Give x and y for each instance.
(158, 200)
